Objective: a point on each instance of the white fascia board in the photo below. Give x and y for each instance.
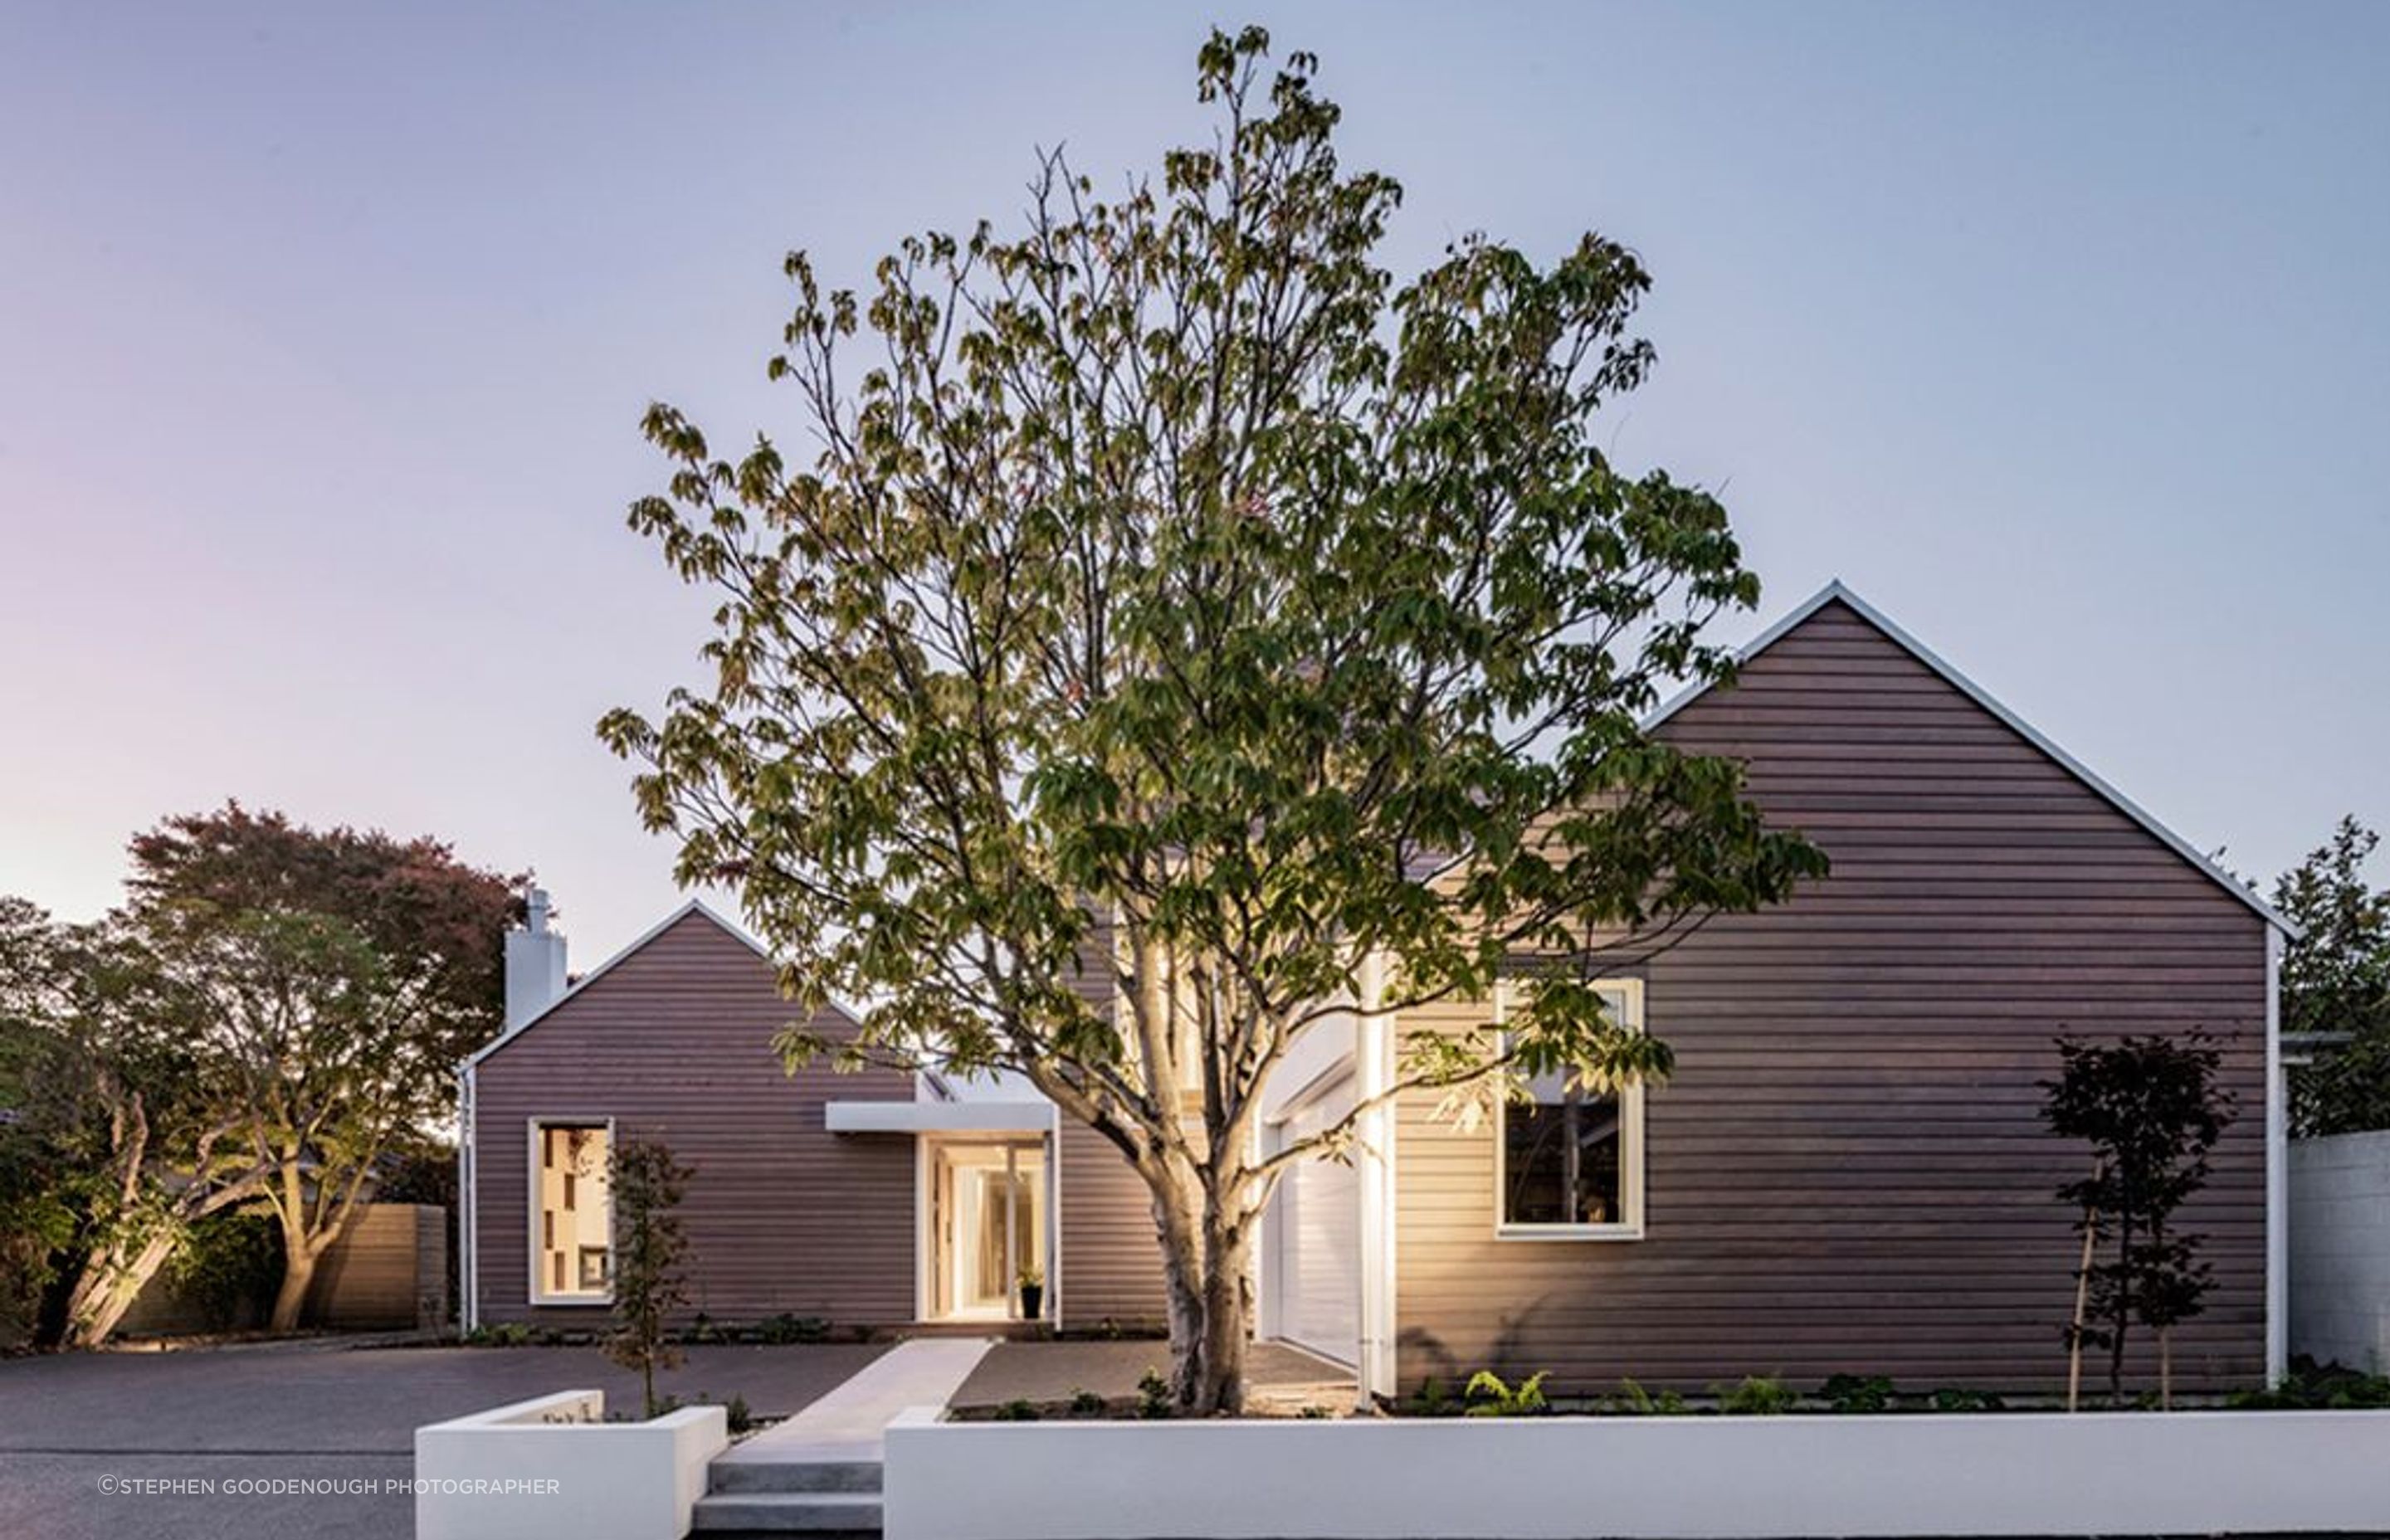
(1981, 696)
(938, 1117)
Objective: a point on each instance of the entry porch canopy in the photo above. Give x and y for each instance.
(1028, 1118)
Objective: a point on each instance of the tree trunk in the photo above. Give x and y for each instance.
(2082, 1306)
(298, 1274)
(2121, 1310)
(1210, 1302)
(112, 1279)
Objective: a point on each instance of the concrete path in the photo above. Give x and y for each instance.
(847, 1423)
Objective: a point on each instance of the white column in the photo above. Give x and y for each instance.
(1373, 1065)
(2278, 1173)
(469, 1260)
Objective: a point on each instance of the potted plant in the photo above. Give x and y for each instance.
(1032, 1292)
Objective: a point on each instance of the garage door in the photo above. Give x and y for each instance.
(1317, 1216)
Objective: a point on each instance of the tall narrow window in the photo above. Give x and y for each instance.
(1569, 1161)
(572, 1249)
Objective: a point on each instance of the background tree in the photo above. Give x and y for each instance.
(41, 1166)
(1171, 598)
(114, 1151)
(645, 1183)
(2151, 1111)
(333, 979)
(2336, 987)
(37, 1222)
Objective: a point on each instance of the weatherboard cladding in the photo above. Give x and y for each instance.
(1848, 1173)
(674, 1041)
(1111, 1254)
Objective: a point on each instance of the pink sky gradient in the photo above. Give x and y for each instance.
(2059, 332)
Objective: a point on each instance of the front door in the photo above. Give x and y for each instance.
(987, 1226)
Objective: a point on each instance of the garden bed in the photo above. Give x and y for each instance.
(1032, 1381)
(555, 1465)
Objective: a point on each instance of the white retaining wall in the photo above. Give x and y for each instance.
(552, 1468)
(1993, 1474)
(2340, 1249)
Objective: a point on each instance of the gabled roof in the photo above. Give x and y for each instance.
(1835, 592)
(694, 906)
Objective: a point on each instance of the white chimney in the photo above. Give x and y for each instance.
(534, 962)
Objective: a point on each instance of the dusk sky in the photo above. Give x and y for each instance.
(2060, 332)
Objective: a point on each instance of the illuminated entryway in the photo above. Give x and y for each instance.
(987, 1223)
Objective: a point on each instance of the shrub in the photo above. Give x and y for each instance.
(784, 1328)
(1758, 1395)
(1153, 1396)
(1016, 1410)
(1434, 1399)
(1633, 1400)
(2313, 1387)
(1489, 1395)
(504, 1334)
(1086, 1402)
(1952, 1398)
(227, 1265)
(1851, 1392)
(662, 1406)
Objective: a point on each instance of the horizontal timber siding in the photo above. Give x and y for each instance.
(389, 1271)
(674, 1043)
(1111, 1253)
(1110, 1266)
(1848, 1173)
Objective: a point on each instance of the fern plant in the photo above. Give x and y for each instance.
(1490, 1395)
(1634, 1400)
(1758, 1395)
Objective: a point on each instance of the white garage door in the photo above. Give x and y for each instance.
(1317, 1216)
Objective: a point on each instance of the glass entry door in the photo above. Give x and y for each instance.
(987, 1221)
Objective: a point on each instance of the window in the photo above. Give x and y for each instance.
(1570, 1166)
(572, 1236)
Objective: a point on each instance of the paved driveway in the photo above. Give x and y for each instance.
(74, 1426)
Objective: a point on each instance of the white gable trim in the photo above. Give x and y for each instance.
(1972, 691)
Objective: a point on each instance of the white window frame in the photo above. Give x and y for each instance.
(538, 1295)
(1630, 1131)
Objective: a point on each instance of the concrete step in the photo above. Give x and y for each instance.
(727, 1476)
(817, 1514)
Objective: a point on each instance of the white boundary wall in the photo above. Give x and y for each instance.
(2340, 1249)
(1923, 1474)
(571, 1474)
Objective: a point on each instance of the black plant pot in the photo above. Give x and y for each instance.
(1033, 1300)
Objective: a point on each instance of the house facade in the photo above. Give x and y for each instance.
(1848, 1173)
(873, 1199)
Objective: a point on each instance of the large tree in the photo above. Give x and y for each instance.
(332, 980)
(2336, 985)
(1178, 614)
(113, 1150)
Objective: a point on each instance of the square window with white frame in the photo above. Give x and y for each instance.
(573, 1230)
(1568, 1161)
